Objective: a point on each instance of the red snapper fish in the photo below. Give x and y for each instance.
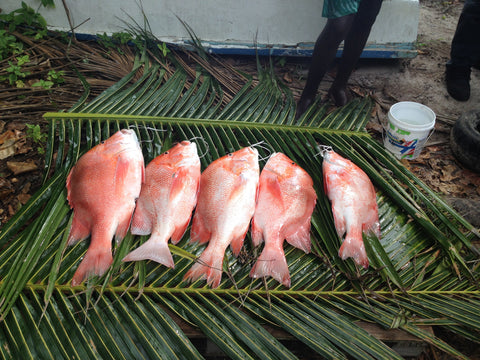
(166, 202)
(354, 204)
(226, 202)
(286, 199)
(101, 189)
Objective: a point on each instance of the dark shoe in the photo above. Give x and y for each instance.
(458, 82)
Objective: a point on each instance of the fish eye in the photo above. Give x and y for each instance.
(166, 152)
(103, 142)
(230, 154)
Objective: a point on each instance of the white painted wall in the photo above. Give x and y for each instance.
(271, 22)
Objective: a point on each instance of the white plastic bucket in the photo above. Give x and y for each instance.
(410, 124)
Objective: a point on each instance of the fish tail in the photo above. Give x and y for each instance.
(353, 247)
(272, 262)
(208, 266)
(97, 260)
(152, 250)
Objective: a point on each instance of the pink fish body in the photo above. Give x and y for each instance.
(166, 202)
(226, 202)
(102, 188)
(354, 205)
(286, 199)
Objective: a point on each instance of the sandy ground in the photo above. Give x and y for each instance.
(422, 79)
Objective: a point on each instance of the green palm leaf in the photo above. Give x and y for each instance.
(423, 272)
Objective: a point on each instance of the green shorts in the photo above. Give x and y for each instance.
(333, 9)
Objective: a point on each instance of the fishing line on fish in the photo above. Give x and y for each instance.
(323, 150)
(204, 142)
(148, 128)
(261, 146)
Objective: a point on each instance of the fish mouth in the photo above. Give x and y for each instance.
(325, 151)
(128, 132)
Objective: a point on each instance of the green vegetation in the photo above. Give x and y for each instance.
(27, 21)
(15, 71)
(113, 42)
(53, 78)
(35, 133)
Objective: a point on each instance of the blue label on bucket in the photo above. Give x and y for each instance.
(406, 147)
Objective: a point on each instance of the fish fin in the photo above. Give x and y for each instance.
(69, 189)
(78, 230)
(123, 167)
(208, 266)
(199, 232)
(373, 228)
(96, 262)
(372, 224)
(122, 228)
(237, 190)
(152, 250)
(182, 228)
(179, 232)
(142, 221)
(178, 184)
(273, 186)
(301, 238)
(325, 182)
(121, 170)
(256, 234)
(353, 247)
(237, 243)
(272, 262)
(339, 221)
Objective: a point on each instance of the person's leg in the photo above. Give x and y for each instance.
(353, 47)
(324, 54)
(464, 52)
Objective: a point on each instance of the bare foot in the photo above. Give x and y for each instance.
(339, 96)
(303, 104)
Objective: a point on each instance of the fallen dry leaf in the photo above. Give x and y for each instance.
(449, 173)
(7, 149)
(26, 188)
(287, 77)
(21, 167)
(7, 136)
(23, 198)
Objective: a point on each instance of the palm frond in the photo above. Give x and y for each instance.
(424, 268)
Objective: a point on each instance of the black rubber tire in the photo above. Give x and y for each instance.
(465, 140)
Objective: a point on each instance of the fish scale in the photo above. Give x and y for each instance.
(226, 203)
(286, 200)
(354, 205)
(166, 202)
(102, 188)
